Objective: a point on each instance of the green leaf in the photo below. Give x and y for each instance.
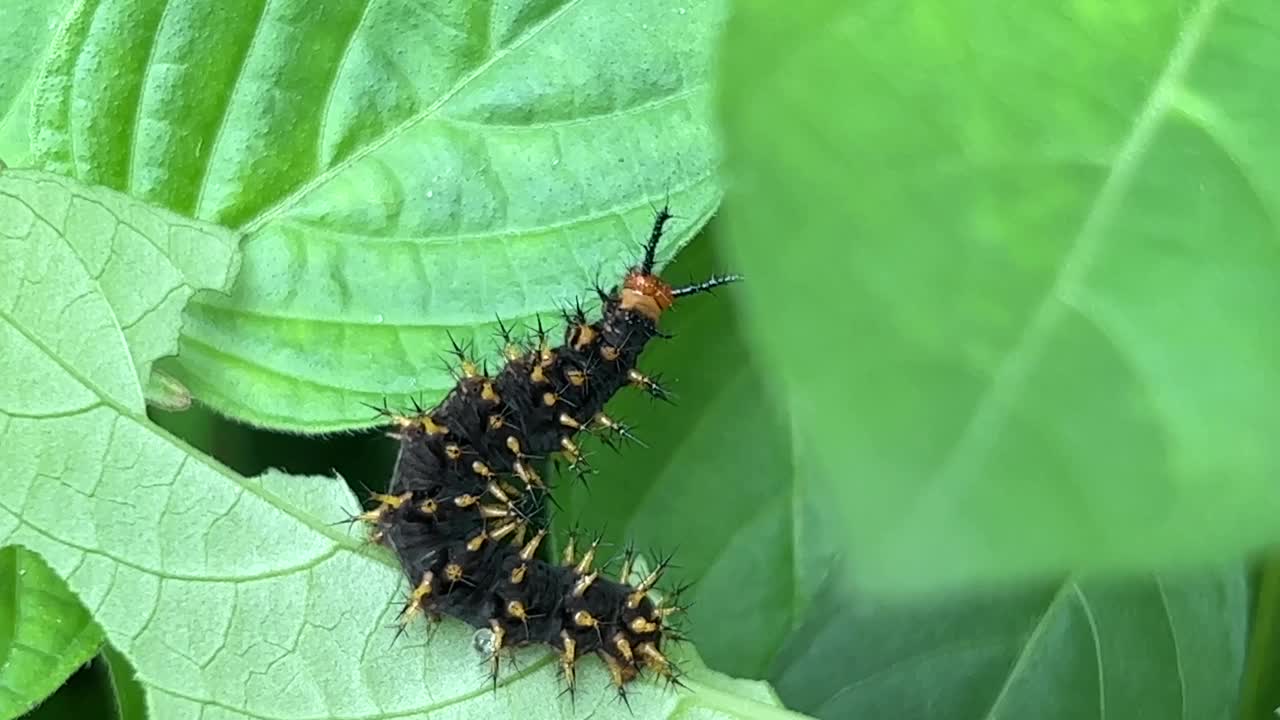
(1025, 313)
(404, 170)
(87, 694)
(45, 634)
(131, 269)
(124, 271)
(26, 30)
(724, 483)
(1168, 647)
(130, 698)
(228, 594)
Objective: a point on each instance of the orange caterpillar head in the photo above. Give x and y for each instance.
(646, 293)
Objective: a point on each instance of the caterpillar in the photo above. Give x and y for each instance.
(460, 513)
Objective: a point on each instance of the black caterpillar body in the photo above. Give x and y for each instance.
(461, 511)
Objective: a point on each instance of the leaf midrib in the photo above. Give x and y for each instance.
(258, 220)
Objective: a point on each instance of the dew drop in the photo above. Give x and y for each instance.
(378, 318)
(431, 193)
(681, 11)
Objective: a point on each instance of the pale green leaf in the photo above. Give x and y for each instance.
(230, 595)
(404, 169)
(1025, 311)
(45, 634)
(26, 30)
(101, 279)
(92, 272)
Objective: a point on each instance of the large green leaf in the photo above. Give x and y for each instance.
(228, 594)
(723, 482)
(1026, 307)
(26, 29)
(404, 169)
(45, 634)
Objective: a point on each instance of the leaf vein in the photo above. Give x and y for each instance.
(463, 82)
(1097, 649)
(221, 127)
(134, 145)
(1177, 651)
(1036, 633)
(332, 86)
(994, 405)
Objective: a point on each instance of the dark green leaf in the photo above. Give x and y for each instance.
(404, 169)
(1025, 309)
(1161, 647)
(45, 633)
(130, 698)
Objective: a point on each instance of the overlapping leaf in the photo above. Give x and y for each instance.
(404, 169)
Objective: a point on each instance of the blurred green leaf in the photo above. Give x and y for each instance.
(225, 592)
(45, 633)
(26, 30)
(404, 170)
(1259, 693)
(723, 483)
(1025, 309)
(1159, 647)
